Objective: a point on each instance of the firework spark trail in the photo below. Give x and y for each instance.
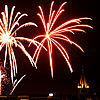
(17, 82)
(50, 35)
(8, 38)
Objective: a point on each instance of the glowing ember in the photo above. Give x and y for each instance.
(51, 35)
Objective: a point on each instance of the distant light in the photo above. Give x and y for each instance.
(51, 94)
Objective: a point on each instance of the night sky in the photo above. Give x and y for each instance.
(39, 81)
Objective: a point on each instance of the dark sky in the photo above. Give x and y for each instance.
(39, 81)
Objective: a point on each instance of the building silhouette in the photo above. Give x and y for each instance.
(83, 87)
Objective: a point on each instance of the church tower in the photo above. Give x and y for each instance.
(83, 88)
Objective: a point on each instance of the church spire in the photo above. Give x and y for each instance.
(83, 88)
(83, 83)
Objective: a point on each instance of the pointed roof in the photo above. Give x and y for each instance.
(83, 83)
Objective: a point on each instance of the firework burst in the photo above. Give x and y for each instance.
(8, 38)
(51, 35)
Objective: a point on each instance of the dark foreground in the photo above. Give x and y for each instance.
(65, 97)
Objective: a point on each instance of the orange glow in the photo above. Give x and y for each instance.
(87, 86)
(52, 34)
(82, 86)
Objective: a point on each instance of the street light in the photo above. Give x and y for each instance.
(51, 94)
